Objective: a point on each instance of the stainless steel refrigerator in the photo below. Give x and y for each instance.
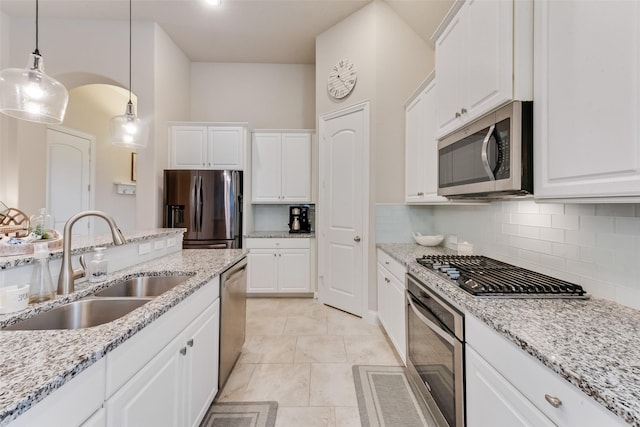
(208, 203)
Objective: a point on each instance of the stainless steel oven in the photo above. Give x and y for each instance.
(435, 353)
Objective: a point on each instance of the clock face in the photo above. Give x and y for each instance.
(342, 79)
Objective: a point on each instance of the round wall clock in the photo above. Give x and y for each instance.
(342, 79)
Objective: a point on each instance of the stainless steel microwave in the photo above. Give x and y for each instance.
(491, 157)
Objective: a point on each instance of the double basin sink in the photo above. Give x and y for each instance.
(104, 306)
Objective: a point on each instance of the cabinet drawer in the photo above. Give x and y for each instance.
(534, 380)
(294, 243)
(396, 268)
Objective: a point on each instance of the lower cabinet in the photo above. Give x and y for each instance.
(391, 302)
(492, 400)
(177, 386)
(279, 266)
(505, 386)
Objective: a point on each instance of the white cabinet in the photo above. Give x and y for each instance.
(492, 400)
(505, 383)
(392, 302)
(421, 146)
(483, 59)
(177, 386)
(586, 100)
(279, 265)
(193, 146)
(281, 167)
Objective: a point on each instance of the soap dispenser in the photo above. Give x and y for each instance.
(98, 266)
(41, 287)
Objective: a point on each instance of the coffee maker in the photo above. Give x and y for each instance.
(299, 219)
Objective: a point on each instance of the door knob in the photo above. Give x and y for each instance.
(356, 239)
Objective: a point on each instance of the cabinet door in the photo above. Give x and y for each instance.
(261, 271)
(383, 282)
(421, 152)
(586, 99)
(294, 273)
(188, 147)
(492, 401)
(488, 56)
(391, 309)
(266, 167)
(296, 167)
(226, 148)
(154, 396)
(202, 339)
(98, 419)
(449, 56)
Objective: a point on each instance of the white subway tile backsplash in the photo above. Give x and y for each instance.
(552, 234)
(538, 220)
(596, 246)
(615, 210)
(627, 226)
(597, 223)
(551, 208)
(580, 238)
(528, 206)
(616, 241)
(567, 222)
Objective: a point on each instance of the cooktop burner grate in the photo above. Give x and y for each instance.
(490, 278)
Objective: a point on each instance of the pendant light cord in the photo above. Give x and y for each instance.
(36, 52)
(130, 1)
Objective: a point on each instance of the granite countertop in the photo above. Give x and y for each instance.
(83, 244)
(279, 235)
(34, 363)
(594, 344)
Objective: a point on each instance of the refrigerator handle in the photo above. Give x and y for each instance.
(201, 201)
(195, 203)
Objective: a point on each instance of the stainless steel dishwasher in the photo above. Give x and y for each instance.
(233, 315)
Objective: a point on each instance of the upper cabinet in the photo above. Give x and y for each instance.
(421, 146)
(483, 60)
(193, 146)
(281, 167)
(587, 100)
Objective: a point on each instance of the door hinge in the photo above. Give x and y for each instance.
(89, 187)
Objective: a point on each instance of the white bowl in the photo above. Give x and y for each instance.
(427, 240)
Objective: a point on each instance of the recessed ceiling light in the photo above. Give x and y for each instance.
(214, 2)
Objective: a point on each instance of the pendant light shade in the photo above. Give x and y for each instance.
(29, 94)
(128, 130)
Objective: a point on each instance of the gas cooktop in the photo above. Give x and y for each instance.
(488, 278)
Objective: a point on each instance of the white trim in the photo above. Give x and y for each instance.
(366, 208)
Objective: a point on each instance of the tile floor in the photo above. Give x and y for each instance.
(299, 352)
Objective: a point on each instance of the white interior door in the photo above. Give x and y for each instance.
(344, 201)
(68, 177)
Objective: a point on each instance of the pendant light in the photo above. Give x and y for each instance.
(29, 94)
(128, 130)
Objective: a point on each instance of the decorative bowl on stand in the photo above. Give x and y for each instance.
(427, 240)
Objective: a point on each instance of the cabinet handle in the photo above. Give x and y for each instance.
(387, 280)
(183, 351)
(553, 401)
(275, 254)
(457, 114)
(356, 239)
(463, 111)
(386, 262)
(190, 342)
(420, 193)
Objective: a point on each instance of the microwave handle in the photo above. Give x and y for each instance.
(485, 159)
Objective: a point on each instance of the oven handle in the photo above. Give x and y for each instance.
(448, 338)
(485, 157)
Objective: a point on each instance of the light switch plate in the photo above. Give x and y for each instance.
(144, 248)
(158, 244)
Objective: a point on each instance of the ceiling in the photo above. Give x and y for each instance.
(258, 31)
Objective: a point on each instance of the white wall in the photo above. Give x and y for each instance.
(90, 109)
(595, 246)
(172, 88)
(267, 96)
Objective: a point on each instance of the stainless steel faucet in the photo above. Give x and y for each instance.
(68, 274)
